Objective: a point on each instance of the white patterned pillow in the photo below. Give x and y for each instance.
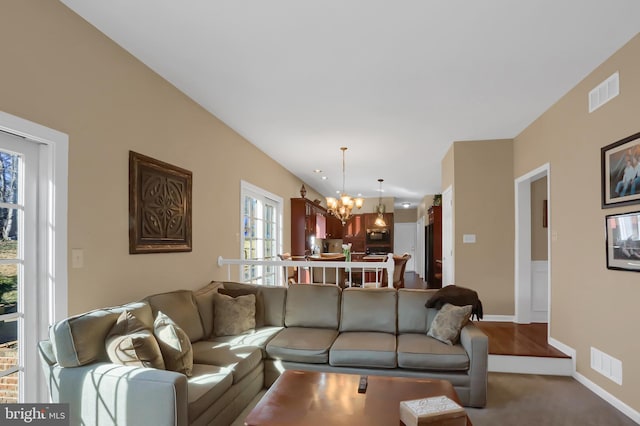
(174, 344)
(234, 315)
(130, 342)
(448, 322)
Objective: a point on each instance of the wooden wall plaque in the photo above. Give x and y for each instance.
(159, 206)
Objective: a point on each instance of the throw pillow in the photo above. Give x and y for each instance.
(448, 322)
(130, 342)
(174, 344)
(234, 315)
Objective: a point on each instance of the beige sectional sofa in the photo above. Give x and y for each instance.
(305, 326)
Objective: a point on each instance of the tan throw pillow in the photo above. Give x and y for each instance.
(234, 315)
(174, 344)
(448, 322)
(130, 342)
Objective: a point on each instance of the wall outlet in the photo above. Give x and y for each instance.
(77, 258)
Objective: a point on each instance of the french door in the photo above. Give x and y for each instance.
(261, 234)
(19, 292)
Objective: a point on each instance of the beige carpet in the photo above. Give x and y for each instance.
(533, 400)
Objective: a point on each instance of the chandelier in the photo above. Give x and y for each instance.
(342, 207)
(380, 208)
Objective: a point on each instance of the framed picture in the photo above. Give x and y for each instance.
(621, 172)
(159, 206)
(623, 241)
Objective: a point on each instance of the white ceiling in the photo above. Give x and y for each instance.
(395, 81)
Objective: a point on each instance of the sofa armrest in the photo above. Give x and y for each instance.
(105, 393)
(476, 343)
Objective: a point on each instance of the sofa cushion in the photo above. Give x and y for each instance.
(181, 307)
(241, 360)
(421, 352)
(368, 309)
(204, 301)
(312, 305)
(80, 339)
(234, 315)
(298, 344)
(259, 337)
(131, 343)
(364, 349)
(412, 316)
(448, 322)
(205, 387)
(174, 344)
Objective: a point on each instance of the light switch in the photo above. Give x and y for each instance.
(469, 238)
(77, 258)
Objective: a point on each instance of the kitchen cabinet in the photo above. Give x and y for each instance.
(354, 233)
(373, 244)
(308, 219)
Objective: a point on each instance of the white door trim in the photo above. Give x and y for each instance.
(523, 311)
(448, 259)
(52, 231)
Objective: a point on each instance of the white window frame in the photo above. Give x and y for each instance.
(51, 237)
(248, 189)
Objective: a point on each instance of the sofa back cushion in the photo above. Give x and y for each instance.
(313, 305)
(369, 309)
(181, 307)
(269, 302)
(412, 315)
(204, 300)
(274, 301)
(80, 339)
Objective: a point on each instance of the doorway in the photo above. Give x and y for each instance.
(404, 241)
(532, 277)
(35, 245)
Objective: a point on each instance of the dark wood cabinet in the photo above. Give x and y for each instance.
(373, 245)
(433, 248)
(310, 219)
(354, 233)
(334, 227)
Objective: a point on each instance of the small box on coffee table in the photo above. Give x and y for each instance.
(434, 411)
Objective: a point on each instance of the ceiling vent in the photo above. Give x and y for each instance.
(604, 92)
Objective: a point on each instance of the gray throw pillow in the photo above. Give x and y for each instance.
(448, 322)
(234, 315)
(174, 344)
(130, 342)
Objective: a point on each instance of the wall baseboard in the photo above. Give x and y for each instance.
(498, 318)
(615, 402)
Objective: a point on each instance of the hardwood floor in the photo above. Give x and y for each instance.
(506, 338)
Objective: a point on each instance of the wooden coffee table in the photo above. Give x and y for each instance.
(310, 398)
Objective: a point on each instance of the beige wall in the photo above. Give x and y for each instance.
(405, 215)
(483, 205)
(60, 72)
(539, 233)
(590, 305)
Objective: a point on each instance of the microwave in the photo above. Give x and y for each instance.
(378, 235)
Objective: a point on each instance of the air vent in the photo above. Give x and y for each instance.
(604, 92)
(606, 365)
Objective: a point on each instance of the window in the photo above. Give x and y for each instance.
(261, 231)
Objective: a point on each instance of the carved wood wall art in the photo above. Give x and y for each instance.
(159, 206)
